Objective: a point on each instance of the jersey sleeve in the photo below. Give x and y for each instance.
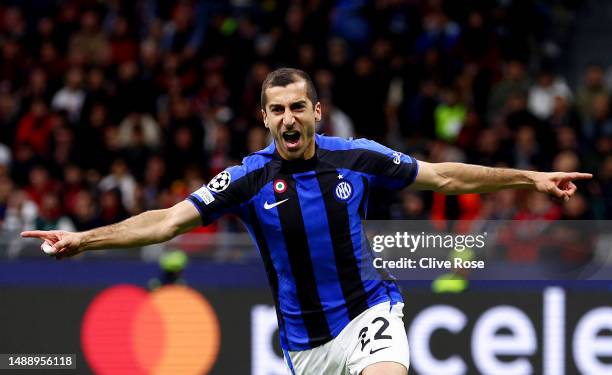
(223, 194)
(387, 168)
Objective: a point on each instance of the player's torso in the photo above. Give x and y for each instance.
(305, 202)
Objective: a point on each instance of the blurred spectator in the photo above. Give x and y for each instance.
(97, 93)
(130, 94)
(64, 150)
(488, 149)
(334, 122)
(603, 195)
(35, 128)
(137, 152)
(438, 32)
(566, 161)
(592, 86)
(9, 116)
(542, 94)
(185, 138)
(142, 124)
(538, 207)
(52, 62)
(500, 205)
(73, 185)
(182, 34)
(123, 45)
(600, 123)
(20, 214)
(111, 208)
(120, 178)
(12, 69)
(576, 209)
(412, 207)
(527, 150)
(85, 215)
(367, 110)
(563, 115)
(90, 44)
(13, 24)
(514, 83)
(37, 88)
(50, 215)
(449, 115)
(40, 185)
(417, 117)
(94, 131)
(71, 97)
(5, 159)
(154, 181)
(45, 33)
(6, 188)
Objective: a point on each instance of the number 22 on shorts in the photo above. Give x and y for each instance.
(379, 335)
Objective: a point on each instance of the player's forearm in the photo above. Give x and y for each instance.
(459, 178)
(144, 229)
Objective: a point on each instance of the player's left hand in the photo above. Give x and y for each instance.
(559, 184)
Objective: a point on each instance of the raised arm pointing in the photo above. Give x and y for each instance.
(144, 229)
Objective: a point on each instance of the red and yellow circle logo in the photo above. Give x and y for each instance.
(173, 330)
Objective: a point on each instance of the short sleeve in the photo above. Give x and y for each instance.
(388, 168)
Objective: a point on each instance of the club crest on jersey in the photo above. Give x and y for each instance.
(343, 190)
(280, 186)
(220, 182)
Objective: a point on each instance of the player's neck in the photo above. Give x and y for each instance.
(308, 154)
(299, 165)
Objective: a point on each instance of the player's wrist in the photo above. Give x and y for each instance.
(84, 240)
(529, 179)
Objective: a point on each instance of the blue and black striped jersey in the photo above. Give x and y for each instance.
(305, 217)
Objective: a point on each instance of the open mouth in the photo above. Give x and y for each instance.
(292, 137)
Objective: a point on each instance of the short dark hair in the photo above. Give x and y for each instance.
(286, 76)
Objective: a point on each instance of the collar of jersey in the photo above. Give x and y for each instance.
(295, 166)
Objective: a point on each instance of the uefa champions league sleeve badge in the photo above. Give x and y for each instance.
(220, 182)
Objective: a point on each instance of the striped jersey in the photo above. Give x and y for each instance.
(305, 218)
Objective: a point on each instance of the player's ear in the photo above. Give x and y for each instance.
(317, 111)
(264, 117)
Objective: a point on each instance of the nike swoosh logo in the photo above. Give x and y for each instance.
(379, 349)
(269, 206)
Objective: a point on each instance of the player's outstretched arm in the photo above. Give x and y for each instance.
(144, 229)
(459, 178)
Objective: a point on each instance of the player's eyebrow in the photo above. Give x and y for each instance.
(275, 106)
(294, 105)
(298, 104)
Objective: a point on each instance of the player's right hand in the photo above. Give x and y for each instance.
(65, 244)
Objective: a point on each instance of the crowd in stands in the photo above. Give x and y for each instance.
(109, 108)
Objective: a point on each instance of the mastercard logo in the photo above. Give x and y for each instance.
(128, 330)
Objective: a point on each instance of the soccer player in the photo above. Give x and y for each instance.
(302, 200)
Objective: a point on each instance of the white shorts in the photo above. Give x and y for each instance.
(376, 335)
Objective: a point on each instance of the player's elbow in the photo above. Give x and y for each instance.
(445, 185)
(443, 182)
(447, 182)
(167, 227)
(171, 230)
